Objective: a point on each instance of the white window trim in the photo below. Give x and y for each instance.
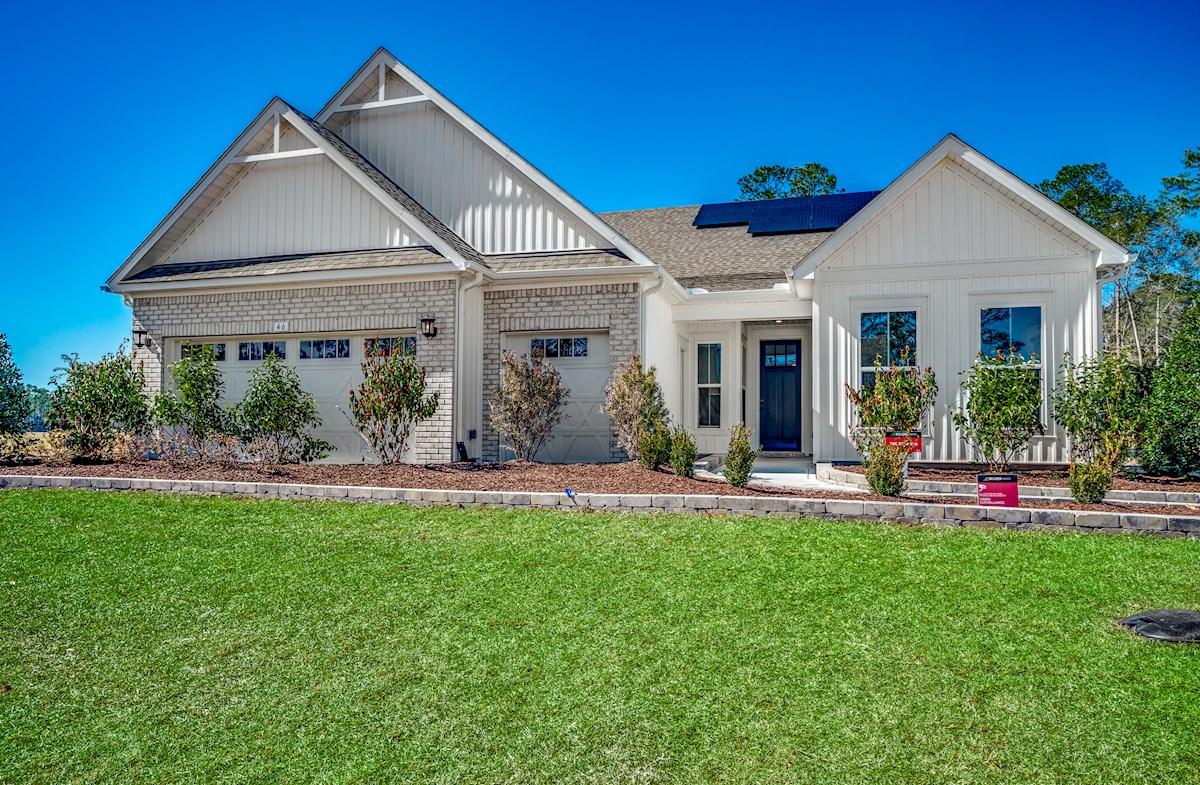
(698, 386)
(881, 304)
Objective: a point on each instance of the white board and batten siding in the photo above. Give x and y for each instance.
(293, 206)
(462, 182)
(948, 247)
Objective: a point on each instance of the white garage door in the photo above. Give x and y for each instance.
(582, 359)
(329, 366)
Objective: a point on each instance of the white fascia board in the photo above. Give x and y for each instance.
(473, 127)
(754, 305)
(273, 281)
(273, 106)
(954, 148)
(575, 272)
(371, 187)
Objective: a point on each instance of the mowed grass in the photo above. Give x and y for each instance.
(169, 639)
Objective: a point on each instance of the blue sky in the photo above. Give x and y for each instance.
(114, 110)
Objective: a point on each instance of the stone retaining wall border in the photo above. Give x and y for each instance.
(834, 509)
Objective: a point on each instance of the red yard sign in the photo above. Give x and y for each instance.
(911, 438)
(997, 490)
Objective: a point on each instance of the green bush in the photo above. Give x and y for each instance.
(276, 415)
(528, 403)
(101, 405)
(1172, 432)
(739, 460)
(634, 400)
(683, 452)
(1098, 403)
(391, 402)
(885, 469)
(14, 400)
(15, 447)
(1089, 482)
(654, 449)
(191, 420)
(1003, 408)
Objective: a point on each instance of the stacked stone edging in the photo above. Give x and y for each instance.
(836, 509)
(831, 473)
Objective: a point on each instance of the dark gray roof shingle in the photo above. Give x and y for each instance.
(298, 263)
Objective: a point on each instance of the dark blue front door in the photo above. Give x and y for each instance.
(779, 387)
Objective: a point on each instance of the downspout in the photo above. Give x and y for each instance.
(644, 308)
(460, 401)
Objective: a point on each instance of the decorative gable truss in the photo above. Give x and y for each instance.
(471, 181)
(289, 186)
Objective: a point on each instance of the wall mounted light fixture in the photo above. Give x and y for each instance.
(141, 340)
(428, 326)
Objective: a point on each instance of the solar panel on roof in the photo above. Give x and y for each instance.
(809, 213)
(726, 214)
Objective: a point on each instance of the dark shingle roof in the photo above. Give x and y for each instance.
(557, 260)
(724, 257)
(414, 208)
(298, 263)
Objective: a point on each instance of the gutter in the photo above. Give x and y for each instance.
(642, 307)
(578, 272)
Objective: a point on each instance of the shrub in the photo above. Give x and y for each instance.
(1003, 408)
(655, 447)
(739, 460)
(192, 413)
(56, 448)
(276, 415)
(683, 452)
(390, 403)
(1097, 402)
(634, 400)
(899, 400)
(95, 402)
(14, 447)
(1172, 433)
(885, 469)
(14, 400)
(528, 403)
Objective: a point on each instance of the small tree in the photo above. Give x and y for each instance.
(1097, 402)
(655, 447)
(634, 400)
(14, 400)
(276, 415)
(683, 452)
(898, 400)
(391, 402)
(100, 404)
(193, 410)
(1003, 408)
(740, 458)
(1172, 439)
(528, 403)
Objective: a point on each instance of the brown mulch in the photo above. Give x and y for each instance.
(1048, 478)
(607, 478)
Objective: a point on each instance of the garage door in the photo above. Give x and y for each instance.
(328, 367)
(582, 359)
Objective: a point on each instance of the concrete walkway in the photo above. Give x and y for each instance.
(789, 472)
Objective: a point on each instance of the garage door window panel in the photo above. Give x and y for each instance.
(255, 351)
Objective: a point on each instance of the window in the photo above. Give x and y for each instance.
(257, 350)
(325, 349)
(388, 346)
(558, 347)
(1011, 331)
(218, 350)
(708, 380)
(887, 339)
(777, 354)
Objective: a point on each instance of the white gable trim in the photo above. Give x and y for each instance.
(1108, 253)
(275, 110)
(383, 60)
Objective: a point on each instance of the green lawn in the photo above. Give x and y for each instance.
(169, 639)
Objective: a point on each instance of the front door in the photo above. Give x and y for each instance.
(779, 387)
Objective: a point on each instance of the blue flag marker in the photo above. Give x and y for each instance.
(571, 495)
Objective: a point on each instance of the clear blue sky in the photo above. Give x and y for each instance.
(114, 110)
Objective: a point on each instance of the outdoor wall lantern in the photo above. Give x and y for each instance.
(428, 327)
(141, 340)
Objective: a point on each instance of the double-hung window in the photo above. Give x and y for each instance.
(1015, 333)
(708, 382)
(887, 339)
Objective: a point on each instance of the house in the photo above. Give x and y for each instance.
(392, 215)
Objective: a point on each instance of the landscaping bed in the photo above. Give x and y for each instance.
(1049, 478)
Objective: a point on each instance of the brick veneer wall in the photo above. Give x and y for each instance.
(321, 309)
(611, 307)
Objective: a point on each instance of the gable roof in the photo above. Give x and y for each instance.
(383, 61)
(718, 257)
(231, 166)
(1108, 252)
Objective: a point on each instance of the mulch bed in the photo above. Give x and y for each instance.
(1048, 478)
(607, 478)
